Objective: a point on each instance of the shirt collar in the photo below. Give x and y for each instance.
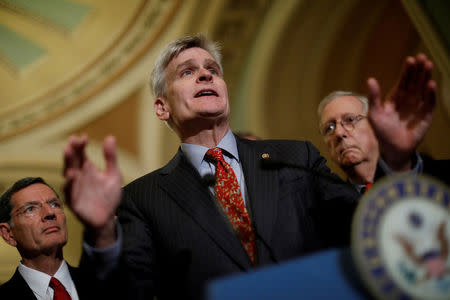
(357, 186)
(416, 168)
(63, 275)
(39, 281)
(196, 153)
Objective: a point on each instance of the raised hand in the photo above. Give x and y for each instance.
(92, 194)
(403, 118)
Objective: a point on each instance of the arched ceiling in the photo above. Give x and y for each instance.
(82, 65)
(58, 53)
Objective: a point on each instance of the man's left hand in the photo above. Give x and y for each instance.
(403, 118)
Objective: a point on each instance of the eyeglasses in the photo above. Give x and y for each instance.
(34, 208)
(348, 121)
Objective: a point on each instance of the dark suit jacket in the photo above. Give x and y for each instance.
(87, 285)
(17, 288)
(176, 238)
(437, 169)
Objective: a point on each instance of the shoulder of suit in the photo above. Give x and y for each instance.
(275, 143)
(12, 284)
(154, 175)
(438, 168)
(144, 180)
(288, 151)
(290, 146)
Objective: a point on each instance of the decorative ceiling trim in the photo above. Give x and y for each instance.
(18, 52)
(63, 15)
(150, 21)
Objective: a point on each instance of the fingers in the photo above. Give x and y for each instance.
(109, 150)
(413, 87)
(416, 73)
(74, 152)
(429, 100)
(77, 166)
(374, 93)
(422, 73)
(425, 87)
(408, 73)
(79, 145)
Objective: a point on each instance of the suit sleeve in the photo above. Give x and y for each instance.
(335, 203)
(137, 251)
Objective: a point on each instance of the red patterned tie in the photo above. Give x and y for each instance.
(229, 196)
(59, 292)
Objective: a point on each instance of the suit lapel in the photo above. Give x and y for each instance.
(81, 282)
(262, 188)
(17, 288)
(183, 183)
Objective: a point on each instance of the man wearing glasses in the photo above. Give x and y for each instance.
(32, 219)
(354, 145)
(350, 139)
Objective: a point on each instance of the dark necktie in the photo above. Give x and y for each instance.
(59, 292)
(228, 194)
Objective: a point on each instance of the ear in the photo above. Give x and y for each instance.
(7, 234)
(162, 109)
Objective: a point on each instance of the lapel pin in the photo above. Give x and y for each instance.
(265, 155)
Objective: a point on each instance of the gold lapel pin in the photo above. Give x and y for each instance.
(265, 155)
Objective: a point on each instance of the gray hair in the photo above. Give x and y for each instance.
(172, 50)
(337, 94)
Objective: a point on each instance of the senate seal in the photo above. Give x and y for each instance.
(401, 238)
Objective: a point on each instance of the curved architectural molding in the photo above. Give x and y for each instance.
(431, 35)
(97, 69)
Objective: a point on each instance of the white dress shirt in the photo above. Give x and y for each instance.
(39, 281)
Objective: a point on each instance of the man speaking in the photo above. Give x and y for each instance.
(216, 208)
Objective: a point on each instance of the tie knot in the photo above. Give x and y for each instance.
(59, 290)
(215, 154)
(55, 283)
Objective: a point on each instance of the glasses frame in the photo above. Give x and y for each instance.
(38, 205)
(345, 123)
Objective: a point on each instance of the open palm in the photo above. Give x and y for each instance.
(403, 118)
(92, 194)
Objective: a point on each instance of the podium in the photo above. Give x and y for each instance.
(400, 241)
(325, 275)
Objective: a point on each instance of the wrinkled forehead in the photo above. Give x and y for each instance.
(341, 106)
(193, 54)
(37, 192)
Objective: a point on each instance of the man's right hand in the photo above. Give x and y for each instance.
(92, 194)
